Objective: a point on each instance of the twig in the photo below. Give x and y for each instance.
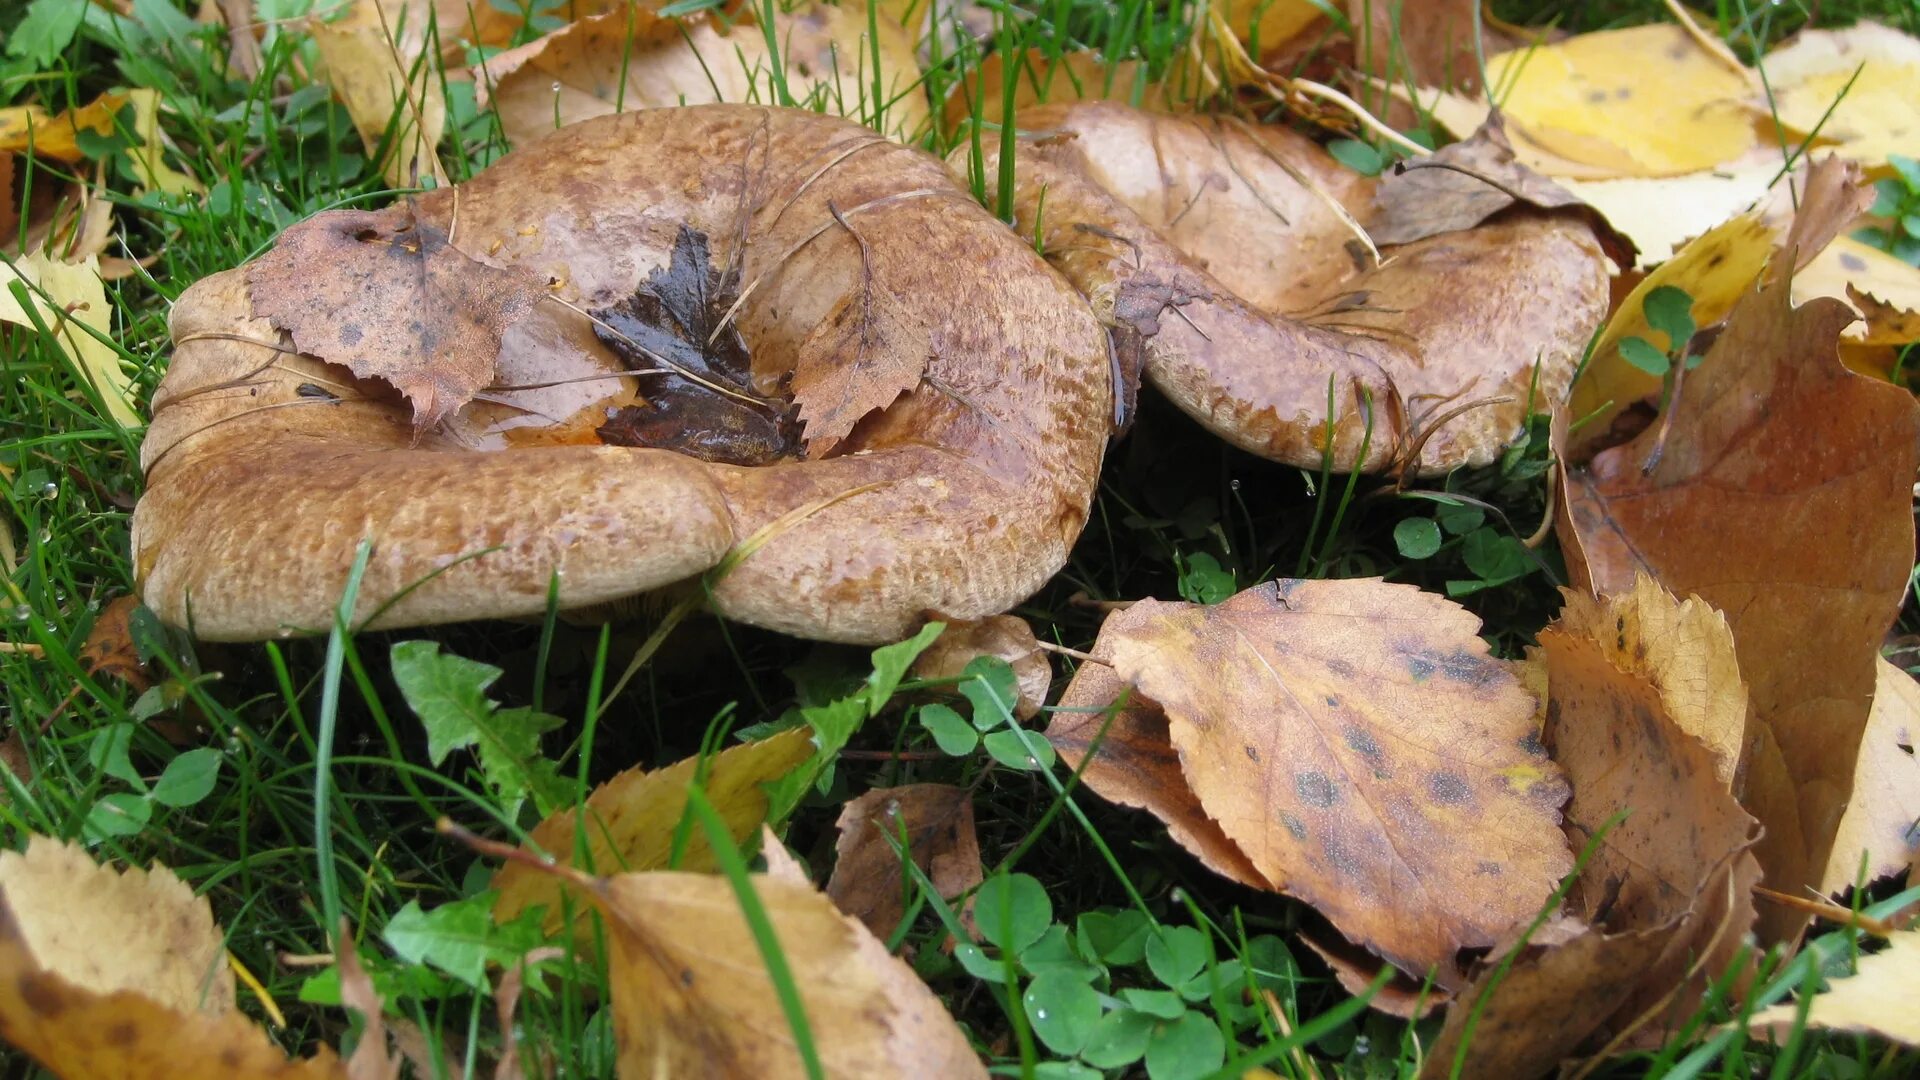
(1830, 911)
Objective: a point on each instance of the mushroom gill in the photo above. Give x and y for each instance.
(754, 335)
(1230, 262)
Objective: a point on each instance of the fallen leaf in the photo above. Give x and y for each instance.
(634, 58)
(1136, 765)
(1771, 444)
(390, 91)
(1881, 998)
(1355, 969)
(1884, 290)
(1880, 831)
(781, 863)
(400, 303)
(1685, 650)
(370, 1059)
(1008, 637)
(73, 295)
(1467, 182)
(1648, 903)
(1715, 271)
(1660, 214)
(632, 820)
(1265, 25)
(1868, 75)
(1419, 42)
(148, 158)
(31, 129)
(1642, 101)
(1080, 75)
(1357, 742)
(109, 649)
(691, 994)
(122, 974)
(935, 824)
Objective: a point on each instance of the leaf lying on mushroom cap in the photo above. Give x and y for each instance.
(1237, 274)
(398, 303)
(960, 492)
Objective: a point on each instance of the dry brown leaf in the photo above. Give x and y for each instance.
(123, 974)
(1801, 216)
(633, 58)
(1650, 900)
(1355, 969)
(109, 649)
(1136, 765)
(1780, 496)
(782, 865)
(1419, 42)
(371, 1059)
(1685, 650)
(1860, 87)
(389, 88)
(1464, 184)
(632, 819)
(1008, 637)
(1880, 831)
(691, 995)
(1357, 742)
(1881, 998)
(933, 821)
(400, 303)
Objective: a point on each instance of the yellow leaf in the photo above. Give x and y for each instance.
(1882, 998)
(1882, 821)
(24, 127)
(1878, 111)
(692, 997)
(632, 819)
(1660, 214)
(147, 159)
(78, 295)
(105, 974)
(1848, 266)
(388, 88)
(1644, 101)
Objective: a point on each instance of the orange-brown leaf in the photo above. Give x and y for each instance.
(1358, 743)
(1781, 496)
(1005, 636)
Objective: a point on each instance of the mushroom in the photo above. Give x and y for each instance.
(1230, 261)
(911, 407)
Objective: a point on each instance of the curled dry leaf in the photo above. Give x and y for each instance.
(112, 974)
(1778, 492)
(1685, 650)
(1880, 833)
(109, 649)
(1239, 278)
(1881, 998)
(961, 495)
(371, 1059)
(1798, 220)
(399, 303)
(634, 58)
(1134, 764)
(935, 824)
(1661, 904)
(1355, 969)
(1858, 87)
(1008, 637)
(691, 994)
(1357, 743)
(388, 87)
(632, 819)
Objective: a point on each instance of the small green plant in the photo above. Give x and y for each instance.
(1899, 204)
(1669, 310)
(989, 685)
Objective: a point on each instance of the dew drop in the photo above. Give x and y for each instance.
(22, 612)
(49, 489)
(1039, 1014)
(46, 536)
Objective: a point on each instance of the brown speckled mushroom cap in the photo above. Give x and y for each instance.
(1229, 262)
(957, 493)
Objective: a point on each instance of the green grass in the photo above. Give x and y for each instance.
(325, 799)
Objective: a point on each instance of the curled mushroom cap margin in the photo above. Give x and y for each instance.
(267, 466)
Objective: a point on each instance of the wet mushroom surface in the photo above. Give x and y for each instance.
(610, 361)
(1236, 267)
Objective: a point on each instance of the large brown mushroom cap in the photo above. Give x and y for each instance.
(1228, 260)
(956, 493)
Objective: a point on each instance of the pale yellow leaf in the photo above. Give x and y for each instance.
(1847, 266)
(1867, 74)
(1882, 998)
(1880, 831)
(77, 296)
(387, 87)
